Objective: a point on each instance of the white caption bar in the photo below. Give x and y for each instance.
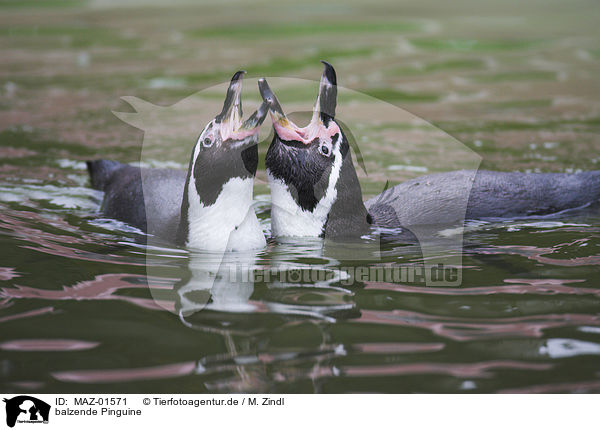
(162, 411)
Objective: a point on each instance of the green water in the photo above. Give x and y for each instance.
(81, 310)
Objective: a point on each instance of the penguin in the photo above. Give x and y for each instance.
(207, 208)
(315, 190)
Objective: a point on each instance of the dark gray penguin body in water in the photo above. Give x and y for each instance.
(315, 190)
(209, 206)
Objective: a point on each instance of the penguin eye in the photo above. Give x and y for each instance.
(325, 149)
(207, 142)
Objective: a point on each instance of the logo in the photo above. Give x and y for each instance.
(26, 409)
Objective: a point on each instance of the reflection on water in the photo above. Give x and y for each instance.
(85, 305)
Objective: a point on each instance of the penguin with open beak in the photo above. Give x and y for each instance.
(315, 189)
(210, 206)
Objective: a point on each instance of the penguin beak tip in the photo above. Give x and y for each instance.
(238, 75)
(329, 73)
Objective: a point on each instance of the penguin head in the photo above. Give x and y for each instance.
(306, 158)
(305, 165)
(227, 147)
(218, 191)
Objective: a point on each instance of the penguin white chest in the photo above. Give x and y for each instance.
(229, 223)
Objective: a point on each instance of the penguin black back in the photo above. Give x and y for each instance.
(101, 171)
(130, 199)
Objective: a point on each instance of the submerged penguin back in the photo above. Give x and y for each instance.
(449, 197)
(149, 199)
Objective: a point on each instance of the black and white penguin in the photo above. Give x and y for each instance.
(315, 190)
(210, 206)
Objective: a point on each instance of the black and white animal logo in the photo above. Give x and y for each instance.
(26, 409)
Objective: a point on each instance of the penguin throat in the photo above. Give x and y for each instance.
(291, 217)
(210, 174)
(339, 214)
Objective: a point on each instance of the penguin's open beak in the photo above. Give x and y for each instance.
(270, 98)
(232, 106)
(323, 111)
(230, 118)
(257, 118)
(284, 128)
